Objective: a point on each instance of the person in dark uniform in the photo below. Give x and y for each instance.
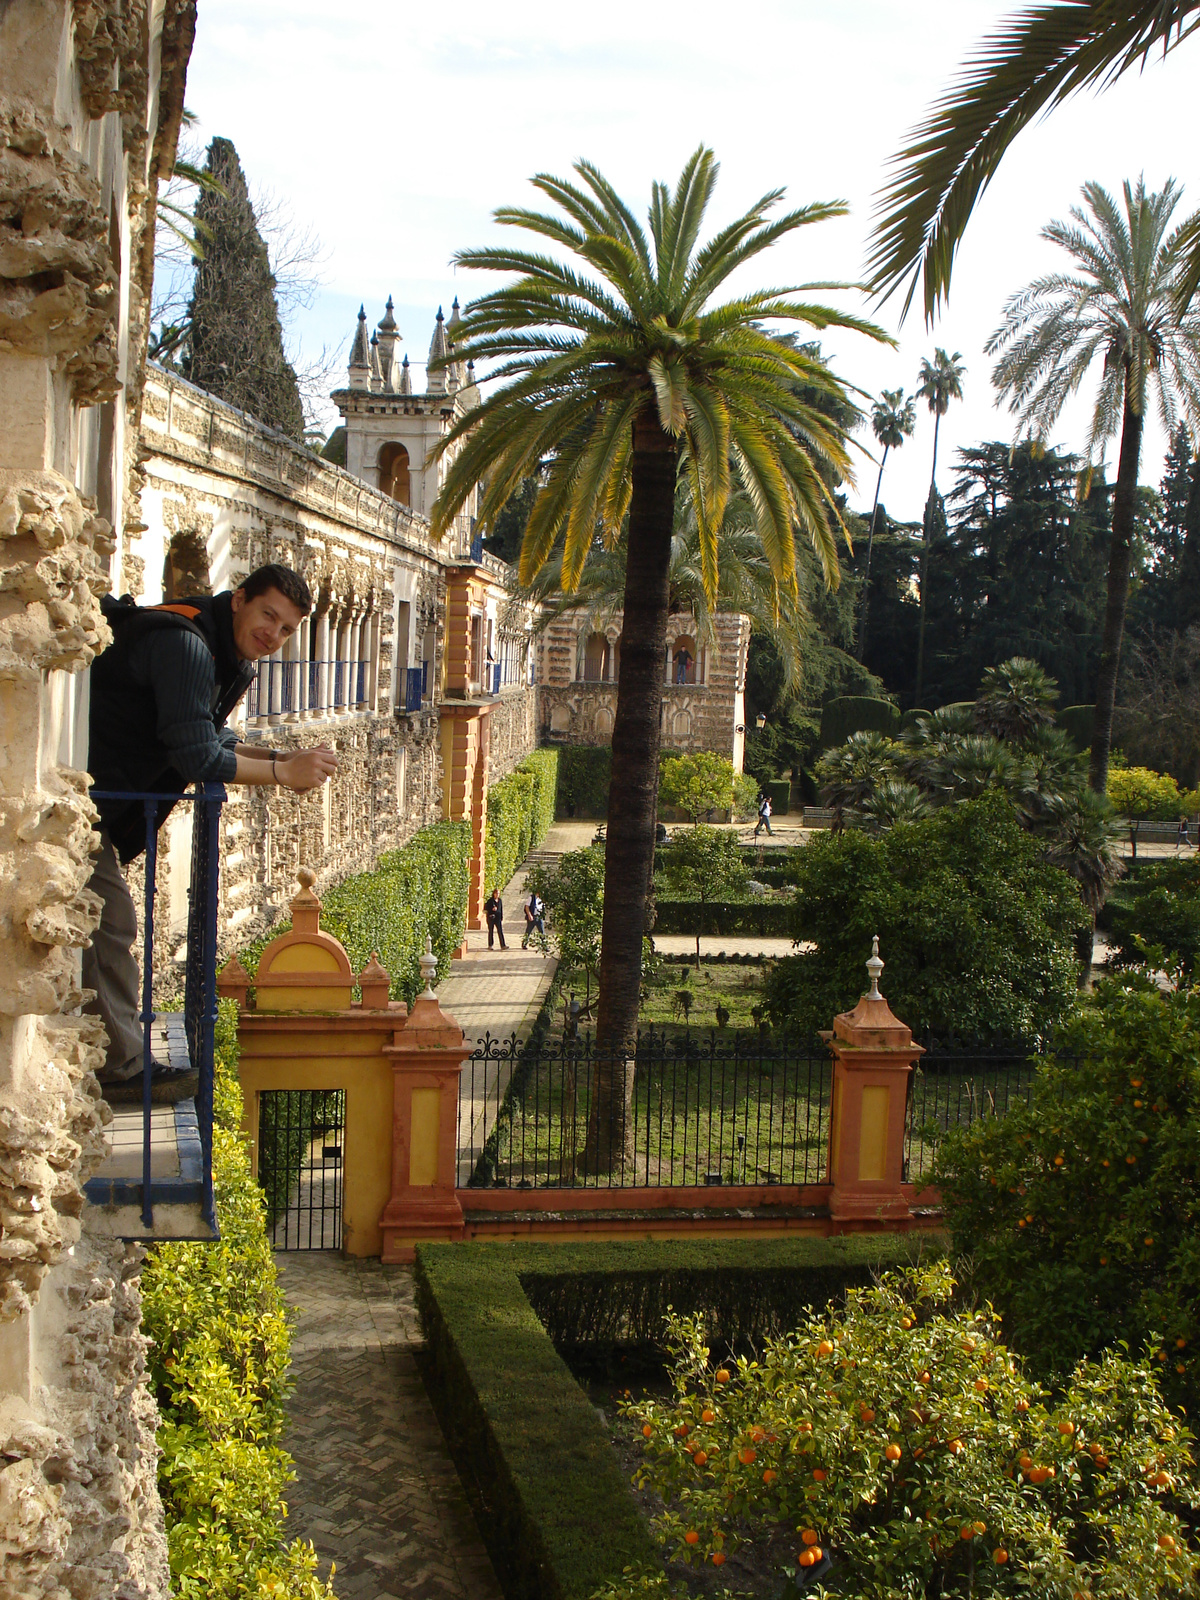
(493, 910)
(160, 696)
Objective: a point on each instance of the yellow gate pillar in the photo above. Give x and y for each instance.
(873, 1056)
(426, 1059)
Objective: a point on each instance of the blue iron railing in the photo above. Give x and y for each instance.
(477, 549)
(497, 670)
(193, 1186)
(284, 688)
(415, 689)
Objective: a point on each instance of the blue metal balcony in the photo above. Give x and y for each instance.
(414, 688)
(157, 1180)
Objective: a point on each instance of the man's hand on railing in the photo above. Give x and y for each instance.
(306, 769)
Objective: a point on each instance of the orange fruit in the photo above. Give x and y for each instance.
(867, 1415)
(722, 1374)
(1066, 1429)
(810, 1536)
(967, 1531)
(1166, 1542)
(955, 1447)
(807, 1558)
(906, 1323)
(718, 1558)
(708, 1416)
(981, 1385)
(746, 1456)
(1136, 1082)
(1131, 1161)
(700, 1458)
(691, 1537)
(824, 1348)
(1137, 1105)
(770, 1475)
(923, 1377)
(980, 1527)
(999, 1557)
(1058, 1161)
(758, 1434)
(682, 1431)
(647, 1430)
(892, 1453)
(1022, 1405)
(819, 1474)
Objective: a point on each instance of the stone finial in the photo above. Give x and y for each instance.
(233, 982)
(405, 377)
(374, 982)
(306, 908)
(428, 965)
(874, 968)
(387, 323)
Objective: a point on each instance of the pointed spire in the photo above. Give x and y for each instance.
(405, 378)
(359, 369)
(438, 350)
(388, 322)
(389, 338)
(376, 369)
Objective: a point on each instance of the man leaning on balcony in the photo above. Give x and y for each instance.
(160, 696)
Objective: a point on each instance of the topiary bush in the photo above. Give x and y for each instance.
(520, 812)
(852, 713)
(977, 930)
(218, 1367)
(584, 774)
(1081, 1210)
(419, 889)
(897, 1449)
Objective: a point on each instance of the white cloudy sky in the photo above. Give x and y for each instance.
(396, 129)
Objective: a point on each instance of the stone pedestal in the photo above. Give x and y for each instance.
(426, 1059)
(873, 1056)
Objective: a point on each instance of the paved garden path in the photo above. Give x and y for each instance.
(376, 1491)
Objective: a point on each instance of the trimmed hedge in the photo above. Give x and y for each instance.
(1076, 722)
(584, 774)
(520, 811)
(769, 919)
(854, 713)
(421, 888)
(562, 1520)
(780, 791)
(218, 1364)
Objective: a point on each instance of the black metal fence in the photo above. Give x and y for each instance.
(704, 1108)
(301, 1136)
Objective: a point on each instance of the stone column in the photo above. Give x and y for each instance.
(873, 1056)
(322, 705)
(427, 1058)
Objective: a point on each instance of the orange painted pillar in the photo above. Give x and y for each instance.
(873, 1056)
(426, 1058)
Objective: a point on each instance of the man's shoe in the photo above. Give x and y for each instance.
(168, 1085)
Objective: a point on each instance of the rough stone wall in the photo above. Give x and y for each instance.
(513, 732)
(91, 93)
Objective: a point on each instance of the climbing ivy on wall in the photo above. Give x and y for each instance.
(520, 811)
(417, 890)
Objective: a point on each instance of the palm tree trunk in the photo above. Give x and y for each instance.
(629, 850)
(860, 653)
(927, 537)
(1119, 556)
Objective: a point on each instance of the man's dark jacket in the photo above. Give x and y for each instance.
(125, 751)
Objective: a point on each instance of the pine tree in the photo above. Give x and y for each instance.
(1175, 488)
(235, 345)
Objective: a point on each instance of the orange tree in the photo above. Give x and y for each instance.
(619, 372)
(1081, 1211)
(903, 1450)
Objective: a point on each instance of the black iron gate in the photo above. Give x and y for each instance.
(301, 1135)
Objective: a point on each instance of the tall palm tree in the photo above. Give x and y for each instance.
(1116, 308)
(617, 372)
(940, 382)
(893, 419)
(1036, 60)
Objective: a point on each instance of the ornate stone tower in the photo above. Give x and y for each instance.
(390, 431)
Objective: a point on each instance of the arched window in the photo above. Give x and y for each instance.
(595, 659)
(560, 719)
(683, 659)
(393, 473)
(681, 725)
(604, 723)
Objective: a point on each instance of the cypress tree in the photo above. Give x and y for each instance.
(235, 346)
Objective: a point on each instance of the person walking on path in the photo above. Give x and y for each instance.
(1183, 837)
(764, 815)
(160, 695)
(535, 912)
(493, 909)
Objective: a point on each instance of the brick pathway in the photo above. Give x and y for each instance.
(376, 1491)
(497, 991)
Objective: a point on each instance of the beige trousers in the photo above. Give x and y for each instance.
(110, 968)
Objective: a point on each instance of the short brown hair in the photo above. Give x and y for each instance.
(290, 585)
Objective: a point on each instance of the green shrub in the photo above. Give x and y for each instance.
(768, 919)
(702, 865)
(562, 1520)
(745, 797)
(417, 890)
(780, 792)
(901, 1439)
(218, 1367)
(697, 784)
(1081, 1211)
(1076, 722)
(976, 929)
(520, 811)
(852, 713)
(584, 773)
(1160, 911)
